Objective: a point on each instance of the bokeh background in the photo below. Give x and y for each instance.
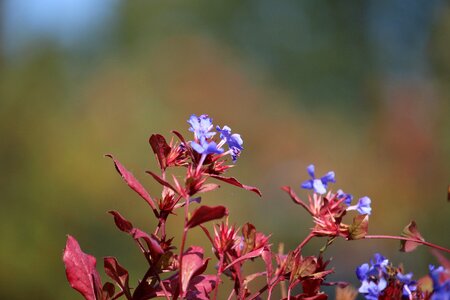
(358, 87)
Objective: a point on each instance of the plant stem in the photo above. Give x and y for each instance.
(219, 272)
(304, 242)
(401, 238)
(183, 242)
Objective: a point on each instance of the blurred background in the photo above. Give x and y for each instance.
(358, 87)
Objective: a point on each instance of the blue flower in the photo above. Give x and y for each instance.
(234, 141)
(348, 198)
(363, 206)
(318, 185)
(376, 268)
(441, 290)
(372, 290)
(201, 126)
(409, 285)
(206, 147)
(362, 272)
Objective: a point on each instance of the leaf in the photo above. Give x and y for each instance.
(206, 213)
(307, 267)
(108, 290)
(161, 181)
(249, 233)
(124, 225)
(200, 287)
(410, 231)
(448, 193)
(117, 273)
(121, 223)
(250, 255)
(234, 181)
(359, 228)
(160, 148)
(208, 187)
(132, 182)
(296, 199)
(266, 255)
(153, 245)
(193, 264)
(80, 270)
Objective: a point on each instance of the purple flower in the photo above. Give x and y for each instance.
(372, 290)
(362, 272)
(201, 126)
(318, 185)
(409, 285)
(234, 141)
(206, 147)
(363, 206)
(348, 198)
(441, 290)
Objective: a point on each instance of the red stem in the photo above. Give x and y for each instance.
(304, 242)
(401, 238)
(183, 242)
(219, 272)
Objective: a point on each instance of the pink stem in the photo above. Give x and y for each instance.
(183, 242)
(401, 238)
(305, 241)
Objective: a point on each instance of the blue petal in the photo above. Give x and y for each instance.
(311, 170)
(329, 177)
(319, 187)
(308, 184)
(361, 271)
(197, 147)
(363, 206)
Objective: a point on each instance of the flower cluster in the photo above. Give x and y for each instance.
(180, 270)
(201, 127)
(381, 280)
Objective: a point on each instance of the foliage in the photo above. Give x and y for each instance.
(180, 271)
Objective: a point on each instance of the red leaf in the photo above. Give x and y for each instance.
(124, 225)
(121, 223)
(296, 199)
(266, 255)
(80, 270)
(153, 245)
(206, 213)
(160, 148)
(200, 287)
(117, 273)
(411, 232)
(234, 181)
(193, 264)
(161, 181)
(132, 182)
(249, 255)
(208, 187)
(108, 290)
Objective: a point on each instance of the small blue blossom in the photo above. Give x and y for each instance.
(363, 206)
(234, 141)
(372, 290)
(362, 272)
(201, 126)
(379, 261)
(409, 285)
(348, 198)
(441, 290)
(318, 185)
(206, 147)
